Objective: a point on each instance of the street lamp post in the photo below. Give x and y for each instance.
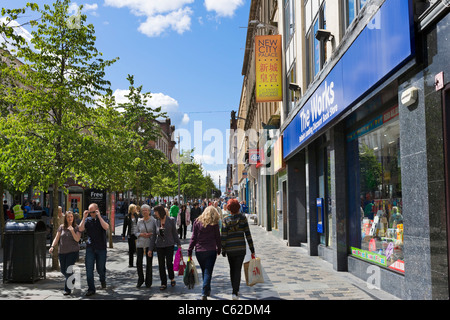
(179, 164)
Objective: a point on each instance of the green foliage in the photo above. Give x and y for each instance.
(52, 127)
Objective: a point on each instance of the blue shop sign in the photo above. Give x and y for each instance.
(384, 45)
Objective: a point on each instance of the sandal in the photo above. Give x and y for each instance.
(163, 287)
(173, 283)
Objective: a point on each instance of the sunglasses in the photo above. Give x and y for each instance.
(92, 212)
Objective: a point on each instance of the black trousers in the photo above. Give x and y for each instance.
(182, 230)
(236, 261)
(141, 252)
(165, 259)
(131, 249)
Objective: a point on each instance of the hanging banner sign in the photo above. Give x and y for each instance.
(268, 57)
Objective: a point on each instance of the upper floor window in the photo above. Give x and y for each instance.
(291, 95)
(289, 20)
(315, 19)
(352, 9)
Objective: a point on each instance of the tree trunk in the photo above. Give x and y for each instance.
(55, 200)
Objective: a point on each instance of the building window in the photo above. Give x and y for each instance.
(375, 192)
(315, 19)
(352, 9)
(289, 20)
(292, 96)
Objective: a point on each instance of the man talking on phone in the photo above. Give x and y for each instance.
(95, 226)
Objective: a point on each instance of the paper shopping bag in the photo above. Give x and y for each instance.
(246, 271)
(255, 272)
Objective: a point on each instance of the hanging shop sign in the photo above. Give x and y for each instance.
(268, 57)
(383, 46)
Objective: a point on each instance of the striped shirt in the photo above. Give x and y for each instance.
(235, 230)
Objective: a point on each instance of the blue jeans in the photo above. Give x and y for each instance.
(97, 258)
(65, 261)
(206, 260)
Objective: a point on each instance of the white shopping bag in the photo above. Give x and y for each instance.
(255, 272)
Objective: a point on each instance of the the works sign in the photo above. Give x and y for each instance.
(383, 46)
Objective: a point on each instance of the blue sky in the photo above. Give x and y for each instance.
(187, 53)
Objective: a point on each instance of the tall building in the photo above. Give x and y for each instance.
(365, 144)
(165, 142)
(364, 137)
(257, 122)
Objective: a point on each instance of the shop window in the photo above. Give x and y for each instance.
(376, 192)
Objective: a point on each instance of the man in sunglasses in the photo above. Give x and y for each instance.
(95, 226)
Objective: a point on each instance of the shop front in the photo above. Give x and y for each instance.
(364, 154)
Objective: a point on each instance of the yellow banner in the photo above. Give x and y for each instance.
(268, 56)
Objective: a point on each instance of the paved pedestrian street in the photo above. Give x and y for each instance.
(289, 274)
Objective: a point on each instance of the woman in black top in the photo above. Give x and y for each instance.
(129, 229)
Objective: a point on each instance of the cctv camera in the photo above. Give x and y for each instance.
(294, 87)
(324, 35)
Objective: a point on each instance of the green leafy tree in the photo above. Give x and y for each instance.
(140, 121)
(53, 116)
(8, 35)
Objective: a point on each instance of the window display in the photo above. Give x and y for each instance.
(380, 193)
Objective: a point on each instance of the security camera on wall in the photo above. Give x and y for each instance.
(294, 87)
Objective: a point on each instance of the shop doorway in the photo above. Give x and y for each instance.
(446, 116)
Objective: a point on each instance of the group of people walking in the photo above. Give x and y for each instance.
(213, 233)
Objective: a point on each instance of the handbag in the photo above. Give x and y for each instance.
(182, 266)
(255, 272)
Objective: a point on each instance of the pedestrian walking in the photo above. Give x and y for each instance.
(95, 226)
(174, 210)
(129, 230)
(67, 239)
(225, 212)
(195, 213)
(143, 235)
(183, 220)
(164, 237)
(219, 211)
(235, 231)
(207, 243)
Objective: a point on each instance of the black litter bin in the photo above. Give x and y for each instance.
(24, 251)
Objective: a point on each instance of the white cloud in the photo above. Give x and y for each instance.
(161, 14)
(224, 8)
(167, 103)
(176, 15)
(215, 174)
(204, 158)
(179, 21)
(87, 8)
(18, 30)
